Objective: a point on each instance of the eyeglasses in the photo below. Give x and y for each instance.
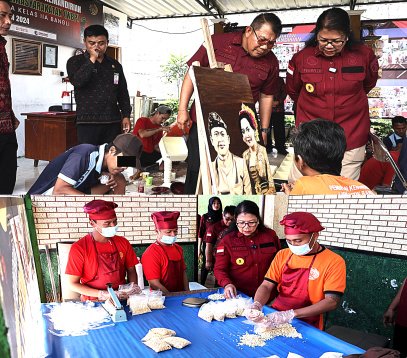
(334, 43)
(242, 224)
(263, 41)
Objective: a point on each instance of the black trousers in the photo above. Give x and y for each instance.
(8, 162)
(399, 340)
(98, 134)
(193, 161)
(147, 159)
(277, 123)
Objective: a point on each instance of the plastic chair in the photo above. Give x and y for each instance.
(63, 249)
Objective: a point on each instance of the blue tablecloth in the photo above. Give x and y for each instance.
(210, 339)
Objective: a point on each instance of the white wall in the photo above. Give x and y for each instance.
(36, 93)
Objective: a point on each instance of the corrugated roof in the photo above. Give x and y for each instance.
(153, 9)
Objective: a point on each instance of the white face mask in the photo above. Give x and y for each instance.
(169, 240)
(301, 250)
(109, 231)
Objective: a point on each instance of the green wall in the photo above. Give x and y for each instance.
(203, 201)
(189, 249)
(4, 347)
(371, 281)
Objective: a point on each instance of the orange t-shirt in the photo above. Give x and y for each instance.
(327, 184)
(327, 275)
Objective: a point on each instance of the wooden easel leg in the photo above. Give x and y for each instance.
(198, 190)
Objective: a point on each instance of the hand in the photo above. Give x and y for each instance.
(126, 125)
(93, 54)
(103, 295)
(278, 318)
(165, 129)
(16, 123)
(264, 135)
(253, 312)
(388, 317)
(230, 291)
(209, 265)
(183, 119)
(287, 187)
(127, 290)
(111, 183)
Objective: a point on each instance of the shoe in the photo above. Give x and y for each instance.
(282, 151)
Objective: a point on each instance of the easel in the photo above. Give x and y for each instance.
(206, 178)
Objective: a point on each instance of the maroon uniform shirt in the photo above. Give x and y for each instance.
(334, 88)
(243, 261)
(262, 72)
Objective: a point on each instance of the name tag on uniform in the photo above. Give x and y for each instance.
(116, 78)
(332, 69)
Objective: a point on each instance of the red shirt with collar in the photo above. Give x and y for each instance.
(82, 259)
(148, 142)
(334, 88)
(6, 112)
(243, 261)
(262, 72)
(213, 231)
(155, 263)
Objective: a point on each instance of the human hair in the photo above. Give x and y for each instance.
(229, 209)
(268, 18)
(333, 19)
(321, 144)
(109, 145)
(8, 2)
(95, 30)
(398, 119)
(246, 207)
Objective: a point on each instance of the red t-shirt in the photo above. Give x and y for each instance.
(82, 259)
(149, 142)
(155, 262)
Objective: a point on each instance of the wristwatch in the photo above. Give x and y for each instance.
(265, 130)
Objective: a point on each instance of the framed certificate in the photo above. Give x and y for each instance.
(50, 56)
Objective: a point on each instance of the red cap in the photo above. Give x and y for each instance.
(165, 219)
(100, 210)
(301, 223)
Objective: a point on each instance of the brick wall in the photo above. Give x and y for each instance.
(376, 224)
(62, 218)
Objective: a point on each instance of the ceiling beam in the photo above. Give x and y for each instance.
(211, 7)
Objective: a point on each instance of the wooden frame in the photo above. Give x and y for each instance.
(26, 57)
(50, 56)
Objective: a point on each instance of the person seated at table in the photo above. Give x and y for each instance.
(394, 140)
(81, 169)
(150, 131)
(163, 261)
(319, 147)
(396, 314)
(215, 233)
(310, 278)
(245, 253)
(101, 257)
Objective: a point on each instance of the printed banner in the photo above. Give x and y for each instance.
(55, 21)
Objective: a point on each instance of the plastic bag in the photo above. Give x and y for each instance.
(177, 342)
(156, 300)
(206, 312)
(219, 311)
(157, 345)
(138, 304)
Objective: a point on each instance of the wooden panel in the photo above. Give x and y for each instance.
(48, 136)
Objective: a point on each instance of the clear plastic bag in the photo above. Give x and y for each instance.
(206, 312)
(138, 304)
(156, 300)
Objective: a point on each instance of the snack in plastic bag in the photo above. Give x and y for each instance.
(219, 311)
(177, 342)
(229, 307)
(216, 296)
(205, 312)
(241, 304)
(157, 345)
(158, 333)
(156, 300)
(138, 304)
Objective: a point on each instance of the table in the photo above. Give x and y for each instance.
(48, 134)
(211, 339)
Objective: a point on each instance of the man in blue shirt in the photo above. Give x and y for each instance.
(395, 139)
(89, 169)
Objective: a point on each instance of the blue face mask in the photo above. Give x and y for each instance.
(301, 250)
(169, 240)
(109, 231)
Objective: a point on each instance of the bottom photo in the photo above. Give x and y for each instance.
(246, 276)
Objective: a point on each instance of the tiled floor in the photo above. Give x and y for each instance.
(27, 174)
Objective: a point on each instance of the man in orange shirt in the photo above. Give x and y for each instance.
(163, 262)
(319, 147)
(309, 277)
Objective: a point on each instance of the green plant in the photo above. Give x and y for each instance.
(382, 127)
(173, 104)
(174, 70)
